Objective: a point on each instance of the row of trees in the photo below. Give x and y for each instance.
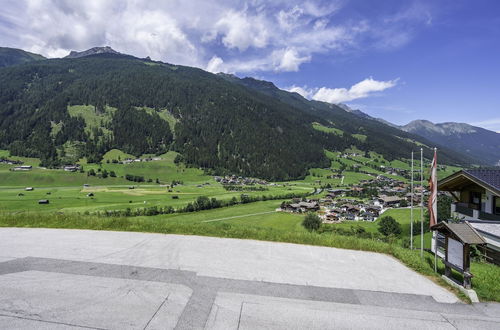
(201, 203)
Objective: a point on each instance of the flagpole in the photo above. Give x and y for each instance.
(421, 202)
(435, 216)
(411, 205)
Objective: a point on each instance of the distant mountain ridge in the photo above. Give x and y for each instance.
(14, 56)
(475, 141)
(448, 128)
(365, 115)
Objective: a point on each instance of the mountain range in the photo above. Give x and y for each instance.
(477, 142)
(90, 102)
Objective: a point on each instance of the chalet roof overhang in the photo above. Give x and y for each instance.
(462, 232)
(459, 180)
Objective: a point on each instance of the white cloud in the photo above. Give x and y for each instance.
(363, 89)
(492, 124)
(215, 64)
(289, 19)
(304, 91)
(360, 90)
(289, 59)
(240, 31)
(247, 36)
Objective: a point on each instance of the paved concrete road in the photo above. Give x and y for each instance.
(117, 280)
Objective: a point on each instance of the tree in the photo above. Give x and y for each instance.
(311, 222)
(444, 207)
(388, 226)
(91, 172)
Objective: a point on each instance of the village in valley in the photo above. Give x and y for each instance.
(365, 201)
(385, 187)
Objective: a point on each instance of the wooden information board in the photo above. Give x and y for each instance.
(456, 253)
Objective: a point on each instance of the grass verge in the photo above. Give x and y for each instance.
(485, 281)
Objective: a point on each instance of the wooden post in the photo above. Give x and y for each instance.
(466, 267)
(447, 271)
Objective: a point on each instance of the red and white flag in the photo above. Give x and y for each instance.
(432, 204)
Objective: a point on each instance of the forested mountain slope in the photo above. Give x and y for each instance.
(385, 139)
(63, 109)
(13, 56)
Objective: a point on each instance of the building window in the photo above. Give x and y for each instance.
(475, 199)
(496, 205)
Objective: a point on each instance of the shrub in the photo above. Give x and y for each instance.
(311, 222)
(388, 226)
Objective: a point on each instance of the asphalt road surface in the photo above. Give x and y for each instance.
(65, 279)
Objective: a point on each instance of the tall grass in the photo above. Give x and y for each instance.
(485, 281)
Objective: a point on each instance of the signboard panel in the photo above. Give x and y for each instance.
(455, 253)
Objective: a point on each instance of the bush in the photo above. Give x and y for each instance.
(388, 226)
(311, 222)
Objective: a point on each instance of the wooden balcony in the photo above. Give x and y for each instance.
(471, 210)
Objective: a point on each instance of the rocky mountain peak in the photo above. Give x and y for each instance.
(92, 51)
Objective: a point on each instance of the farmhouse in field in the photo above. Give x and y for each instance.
(71, 168)
(476, 195)
(22, 168)
(10, 161)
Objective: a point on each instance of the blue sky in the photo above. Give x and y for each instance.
(398, 60)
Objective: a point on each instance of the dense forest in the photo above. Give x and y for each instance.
(222, 125)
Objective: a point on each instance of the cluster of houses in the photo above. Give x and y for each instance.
(382, 185)
(334, 211)
(350, 154)
(138, 160)
(350, 210)
(375, 196)
(394, 170)
(238, 180)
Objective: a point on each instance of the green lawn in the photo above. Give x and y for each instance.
(333, 130)
(66, 193)
(164, 114)
(92, 118)
(116, 154)
(360, 137)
